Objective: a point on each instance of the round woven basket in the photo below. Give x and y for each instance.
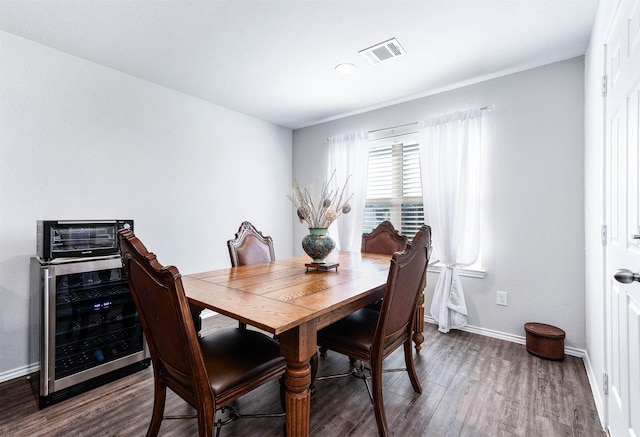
(545, 341)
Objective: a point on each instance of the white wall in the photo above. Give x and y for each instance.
(81, 141)
(533, 192)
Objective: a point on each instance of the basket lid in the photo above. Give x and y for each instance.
(544, 330)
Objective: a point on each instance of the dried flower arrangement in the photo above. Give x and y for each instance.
(320, 213)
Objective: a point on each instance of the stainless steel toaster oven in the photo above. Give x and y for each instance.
(78, 238)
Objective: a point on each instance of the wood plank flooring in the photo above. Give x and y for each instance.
(472, 386)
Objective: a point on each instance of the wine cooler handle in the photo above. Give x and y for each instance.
(44, 378)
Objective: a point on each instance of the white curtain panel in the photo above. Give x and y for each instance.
(348, 157)
(450, 169)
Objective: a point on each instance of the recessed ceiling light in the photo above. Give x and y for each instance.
(345, 68)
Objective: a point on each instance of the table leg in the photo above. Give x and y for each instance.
(298, 345)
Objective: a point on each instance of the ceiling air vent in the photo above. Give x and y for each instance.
(383, 51)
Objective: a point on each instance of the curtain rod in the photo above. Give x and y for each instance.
(393, 127)
(487, 108)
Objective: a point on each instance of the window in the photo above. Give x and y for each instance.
(394, 189)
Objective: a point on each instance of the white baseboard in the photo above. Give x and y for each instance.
(34, 367)
(206, 313)
(520, 339)
(595, 388)
(19, 372)
(26, 370)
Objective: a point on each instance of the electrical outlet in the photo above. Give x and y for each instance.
(501, 298)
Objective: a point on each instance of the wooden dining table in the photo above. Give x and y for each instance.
(291, 300)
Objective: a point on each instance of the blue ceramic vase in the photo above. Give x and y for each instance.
(318, 244)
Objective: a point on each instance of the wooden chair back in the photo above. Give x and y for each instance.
(404, 284)
(164, 313)
(250, 247)
(384, 239)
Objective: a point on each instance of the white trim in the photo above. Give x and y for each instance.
(19, 372)
(598, 397)
(206, 313)
(473, 273)
(35, 367)
(580, 353)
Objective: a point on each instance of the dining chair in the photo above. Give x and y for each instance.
(248, 247)
(384, 240)
(370, 336)
(207, 372)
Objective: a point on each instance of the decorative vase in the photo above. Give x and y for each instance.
(318, 244)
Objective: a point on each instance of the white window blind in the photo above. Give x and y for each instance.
(394, 189)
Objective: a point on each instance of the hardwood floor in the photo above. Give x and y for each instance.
(472, 386)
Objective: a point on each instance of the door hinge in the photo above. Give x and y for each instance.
(605, 383)
(604, 86)
(603, 235)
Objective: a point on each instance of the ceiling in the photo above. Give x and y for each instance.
(274, 59)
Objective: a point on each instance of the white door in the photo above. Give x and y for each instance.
(623, 219)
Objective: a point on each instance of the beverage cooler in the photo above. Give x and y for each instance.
(89, 328)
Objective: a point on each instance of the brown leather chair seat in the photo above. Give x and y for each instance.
(236, 357)
(354, 333)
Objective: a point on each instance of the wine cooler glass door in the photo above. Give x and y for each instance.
(91, 324)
